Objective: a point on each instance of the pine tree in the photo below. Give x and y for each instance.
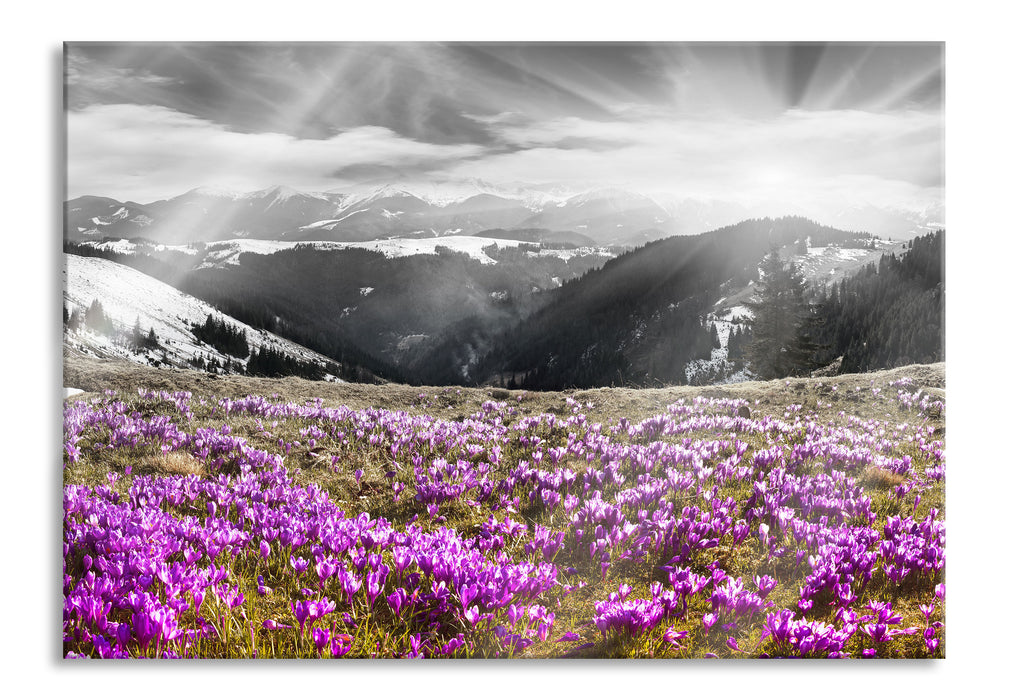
(96, 319)
(780, 345)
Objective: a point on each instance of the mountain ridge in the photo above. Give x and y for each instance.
(607, 215)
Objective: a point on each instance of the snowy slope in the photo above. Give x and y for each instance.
(126, 295)
(831, 262)
(128, 247)
(227, 252)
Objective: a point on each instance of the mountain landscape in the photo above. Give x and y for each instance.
(598, 216)
(534, 289)
(503, 350)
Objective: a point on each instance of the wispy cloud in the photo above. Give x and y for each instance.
(797, 154)
(86, 76)
(148, 152)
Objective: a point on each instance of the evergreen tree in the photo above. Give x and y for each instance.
(780, 345)
(75, 320)
(96, 319)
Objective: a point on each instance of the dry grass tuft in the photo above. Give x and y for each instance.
(173, 463)
(876, 478)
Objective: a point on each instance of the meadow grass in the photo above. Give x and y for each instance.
(379, 463)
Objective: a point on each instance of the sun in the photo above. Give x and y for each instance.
(770, 176)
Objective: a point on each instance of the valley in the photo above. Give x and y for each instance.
(533, 288)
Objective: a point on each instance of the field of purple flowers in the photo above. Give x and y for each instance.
(207, 527)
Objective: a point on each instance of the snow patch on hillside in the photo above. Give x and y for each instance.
(228, 252)
(567, 254)
(126, 247)
(717, 369)
(826, 264)
(733, 311)
(330, 224)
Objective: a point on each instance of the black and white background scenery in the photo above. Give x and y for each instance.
(529, 215)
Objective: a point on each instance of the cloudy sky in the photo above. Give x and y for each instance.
(835, 124)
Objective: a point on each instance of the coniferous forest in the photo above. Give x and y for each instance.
(269, 362)
(886, 315)
(223, 336)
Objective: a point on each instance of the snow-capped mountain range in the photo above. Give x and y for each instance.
(599, 215)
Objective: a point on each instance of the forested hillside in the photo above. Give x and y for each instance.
(548, 316)
(890, 314)
(640, 318)
(391, 313)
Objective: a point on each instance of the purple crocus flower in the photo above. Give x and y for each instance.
(301, 612)
(879, 632)
(543, 631)
(299, 565)
(198, 596)
(143, 629)
(674, 638)
(764, 584)
(339, 645)
(709, 621)
(395, 600)
(350, 583)
(325, 568)
(740, 531)
(321, 638)
(778, 625)
(472, 614)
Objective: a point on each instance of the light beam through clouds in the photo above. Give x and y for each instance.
(814, 127)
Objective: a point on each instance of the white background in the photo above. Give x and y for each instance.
(32, 177)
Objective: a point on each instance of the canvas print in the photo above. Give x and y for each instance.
(504, 350)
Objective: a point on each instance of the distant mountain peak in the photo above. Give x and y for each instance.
(212, 191)
(281, 193)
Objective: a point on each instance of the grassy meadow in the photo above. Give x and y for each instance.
(240, 518)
